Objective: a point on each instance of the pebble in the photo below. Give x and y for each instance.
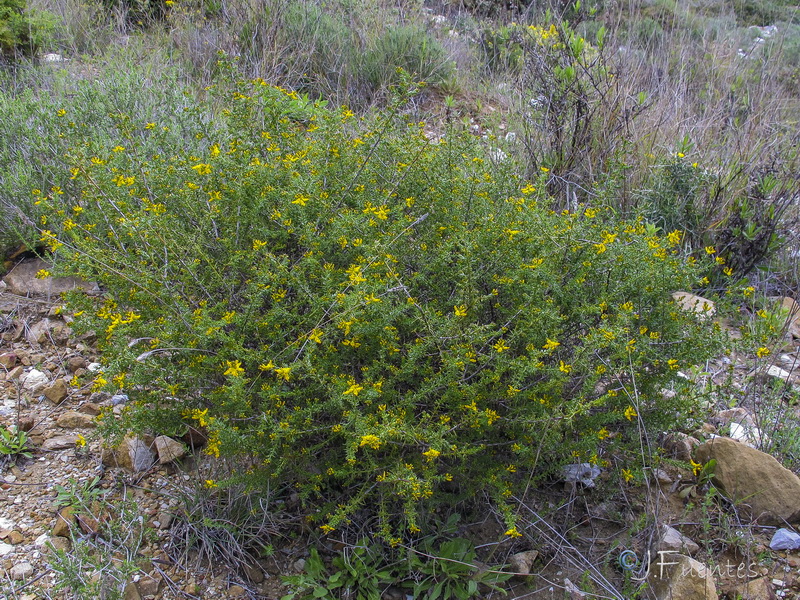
(22, 570)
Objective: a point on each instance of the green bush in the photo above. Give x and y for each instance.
(382, 323)
(410, 48)
(22, 31)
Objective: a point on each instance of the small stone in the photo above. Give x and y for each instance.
(60, 442)
(131, 593)
(253, 572)
(34, 381)
(168, 449)
(662, 476)
(25, 424)
(8, 360)
(15, 538)
(785, 539)
(119, 399)
(673, 540)
(235, 591)
(15, 373)
(132, 454)
(165, 520)
(6, 549)
(90, 408)
(64, 522)
(149, 585)
(21, 571)
(72, 419)
(75, 362)
(57, 392)
(61, 543)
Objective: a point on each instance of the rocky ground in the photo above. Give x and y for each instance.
(63, 499)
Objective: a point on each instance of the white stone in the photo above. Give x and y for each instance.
(22, 570)
(34, 381)
(6, 549)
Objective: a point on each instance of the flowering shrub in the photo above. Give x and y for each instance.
(380, 322)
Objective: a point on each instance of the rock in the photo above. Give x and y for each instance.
(76, 362)
(22, 280)
(15, 373)
(60, 442)
(702, 307)
(8, 360)
(149, 585)
(680, 445)
(236, 591)
(584, 473)
(6, 549)
(25, 424)
(674, 541)
(675, 576)
(131, 593)
(21, 571)
(57, 392)
(34, 381)
(90, 408)
(573, 590)
(132, 454)
(39, 332)
(785, 539)
(168, 449)
(662, 476)
(756, 589)
(119, 399)
(253, 572)
(15, 538)
(755, 479)
(61, 543)
(64, 522)
(72, 419)
(792, 311)
(522, 562)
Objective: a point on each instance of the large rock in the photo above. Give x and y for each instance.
(679, 577)
(168, 449)
(73, 419)
(703, 307)
(754, 479)
(57, 392)
(133, 454)
(22, 280)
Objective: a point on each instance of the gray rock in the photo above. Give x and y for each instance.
(673, 540)
(132, 454)
(584, 473)
(785, 539)
(21, 570)
(522, 562)
(119, 399)
(39, 332)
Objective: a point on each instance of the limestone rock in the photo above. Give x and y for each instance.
(57, 392)
(674, 541)
(132, 454)
(21, 571)
(8, 360)
(60, 442)
(755, 479)
(34, 381)
(522, 562)
(785, 539)
(703, 307)
(168, 449)
(755, 589)
(675, 576)
(22, 280)
(73, 419)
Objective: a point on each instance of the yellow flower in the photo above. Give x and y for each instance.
(327, 528)
(500, 345)
(696, 467)
(603, 433)
(551, 344)
(373, 441)
(674, 237)
(211, 484)
(267, 367)
(626, 475)
(202, 168)
(710, 250)
(564, 368)
(762, 352)
(283, 373)
(461, 311)
(234, 369)
(630, 412)
(354, 389)
(431, 454)
(81, 441)
(42, 274)
(513, 532)
(300, 199)
(315, 336)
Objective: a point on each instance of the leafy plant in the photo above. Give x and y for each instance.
(450, 572)
(358, 573)
(379, 321)
(13, 443)
(22, 31)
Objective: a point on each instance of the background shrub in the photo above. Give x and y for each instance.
(382, 323)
